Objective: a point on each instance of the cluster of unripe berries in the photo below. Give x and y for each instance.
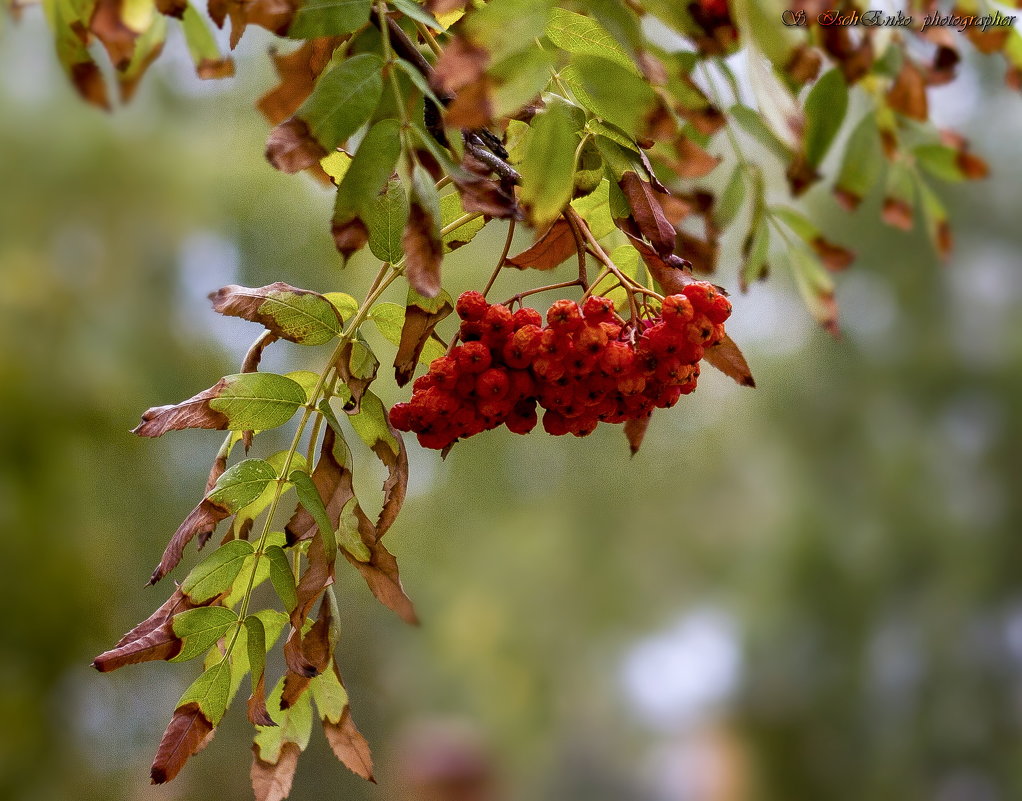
(586, 365)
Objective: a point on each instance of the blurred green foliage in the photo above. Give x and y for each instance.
(855, 519)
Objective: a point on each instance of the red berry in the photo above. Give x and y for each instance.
(677, 311)
(524, 317)
(497, 321)
(591, 340)
(522, 418)
(555, 424)
(598, 310)
(493, 384)
(564, 315)
(471, 306)
(401, 416)
(718, 310)
(471, 331)
(472, 357)
(617, 358)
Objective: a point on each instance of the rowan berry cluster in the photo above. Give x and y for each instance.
(586, 365)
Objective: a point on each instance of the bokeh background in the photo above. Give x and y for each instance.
(807, 592)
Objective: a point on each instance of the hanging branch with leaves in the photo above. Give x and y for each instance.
(602, 127)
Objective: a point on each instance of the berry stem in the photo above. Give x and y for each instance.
(580, 248)
(503, 257)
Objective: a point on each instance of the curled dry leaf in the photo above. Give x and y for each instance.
(908, 94)
(271, 781)
(635, 431)
(258, 714)
(349, 746)
(423, 251)
(727, 357)
(188, 733)
(551, 249)
(108, 25)
(316, 647)
(648, 213)
(298, 72)
(160, 643)
(292, 148)
(416, 330)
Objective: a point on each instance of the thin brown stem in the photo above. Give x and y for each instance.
(503, 257)
(580, 248)
(549, 287)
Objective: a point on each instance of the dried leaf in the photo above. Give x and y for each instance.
(292, 148)
(648, 213)
(317, 648)
(635, 430)
(423, 251)
(297, 315)
(349, 746)
(298, 72)
(727, 357)
(461, 64)
(421, 318)
(908, 94)
(188, 733)
(160, 643)
(550, 250)
(349, 236)
(693, 161)
(898, 213)
(271, 781)
(108, 25)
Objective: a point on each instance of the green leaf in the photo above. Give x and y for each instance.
(200, 628)
(757, 247)
(328, 18)
(348, 534)
(548, 167)
(256, 648)
(863, 161)
(815, 285)
(731, 199)
(242, 484)
(451, 210)
(370, 170)
(940, 161)
(281, 577)
(418, 80)
(609, 91)
(506, 26)
(753, 124)
(257, 401)
(825, 110)
(294, 725)
(520, 78)
(211, 691)
(216, 573)
(389, 319)
(371, 424)
(584, 36)
(595, 210)
(201, 42)
(345, 304)
(385, 217)
(261, 568)
(313, 503)
(329, 695)
(414, 11)
(296, 315)
(343, 100)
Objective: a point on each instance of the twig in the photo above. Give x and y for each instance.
(503, 257)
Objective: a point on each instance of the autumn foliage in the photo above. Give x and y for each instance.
(629, 157)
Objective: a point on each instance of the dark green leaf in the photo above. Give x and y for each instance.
(216, 573)
(328, 18)
(825, 110)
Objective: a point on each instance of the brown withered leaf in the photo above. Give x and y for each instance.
(473, 107)
(292, 148)
(855, 59)
(188, 733)
(201, 521)
(670, 273)
(803, 65)
(298, 72)
(801, 175)
(897, 213)
(172, 8)
(107, 24)
(461, 64)
(357, 384)
(444, 6)
(693, 161)
(969, 164)
(349, 746)
(635, 431)
(178, 602)
(701, 253)
(158, 644)
(486, 196)
(423, 252)
(553, 247)
(128, 83)
(418, 326)
(396, 484)
(316, 648)
(194, 412)
(834, 257)
(648, 213)
(88, 81)
(349, 236)
(258, 714)
(908, 94)
(727, 357)
(271, 781)
(318, 575)
(211, 69)
(658, 125)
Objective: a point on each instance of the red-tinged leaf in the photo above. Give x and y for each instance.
(635, 430)
(297, 315)
(700, 253)
(727, 357)
(271, 781)
(437, 7)
(671, 273)
(648, 213)
(461, 64)
(178, 602)
(349, 746)
(158, 644)
(418, 327)
(693, 161)
(172, 8)
(292, 148)
(423, 251)
(201, 521)
(801, 175)
(88, 81)
(908, 94)
(258, 714)
(473, 107)
(898, 213)
(486, 196)
(551, 249)
(357, 380)
(107, 24)
(971, 166)
(188, 733)
(834, 257)
(804, 64)
(298, 72)
(349, 236)
(382, 575)
(317, 648)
